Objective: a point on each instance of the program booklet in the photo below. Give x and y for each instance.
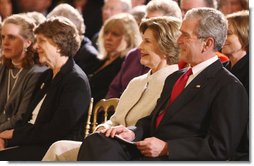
(124, 140)
(11, 147)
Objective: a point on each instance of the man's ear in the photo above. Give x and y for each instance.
(208, 44)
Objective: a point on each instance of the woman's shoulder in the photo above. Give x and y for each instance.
(140, 79)
(33, 74)
(2, 66)
(38, 69)
(75, 75)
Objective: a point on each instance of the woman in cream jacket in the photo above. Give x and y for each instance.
(159, 52)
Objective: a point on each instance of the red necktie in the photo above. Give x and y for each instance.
(177, 89)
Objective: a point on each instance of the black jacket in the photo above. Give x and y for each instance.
(63, 112)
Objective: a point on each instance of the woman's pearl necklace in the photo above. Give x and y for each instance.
(15, 77)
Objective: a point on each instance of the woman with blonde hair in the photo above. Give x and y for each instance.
(19, 69)
(117, 37)
(131, 66)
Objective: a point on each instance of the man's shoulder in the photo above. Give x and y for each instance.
(178, 73)
(223, 78)
(225, 74)
(171, 79)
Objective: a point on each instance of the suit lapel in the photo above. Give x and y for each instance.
(189, 93)
(166, 93)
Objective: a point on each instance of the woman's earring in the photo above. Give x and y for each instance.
(25, 49)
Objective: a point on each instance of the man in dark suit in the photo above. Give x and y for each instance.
(206, 121)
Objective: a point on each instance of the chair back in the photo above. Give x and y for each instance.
(104, 105)
(88, 122)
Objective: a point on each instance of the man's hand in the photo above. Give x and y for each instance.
(152, 147)
(119, 130)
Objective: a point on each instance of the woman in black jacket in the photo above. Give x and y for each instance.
(58, 110)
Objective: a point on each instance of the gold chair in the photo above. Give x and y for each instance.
(104, 105)
(88, 122)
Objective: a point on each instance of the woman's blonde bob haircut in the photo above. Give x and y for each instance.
(127, 26)
(166, 30)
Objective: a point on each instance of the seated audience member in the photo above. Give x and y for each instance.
(37, 17)
(87, 55)
(131, 66)
(135, 3)
(231, 6)
(118, 36)
(159, 52)
(236, 46)
(19, 69)
(93, 24)
(138, 13)
(79, 4)
(190, 121)
(22, 6)
(6, 8)
(186, 5)
(58, 109)
(109, 9)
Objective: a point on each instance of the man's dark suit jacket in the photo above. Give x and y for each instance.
(206, 121)
(62, 114)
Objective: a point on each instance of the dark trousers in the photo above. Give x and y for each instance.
(98, 147)
(24, 153)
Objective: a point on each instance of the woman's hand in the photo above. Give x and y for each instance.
(100, 128)
(7, 134)
(119, 130)
(2, 144)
